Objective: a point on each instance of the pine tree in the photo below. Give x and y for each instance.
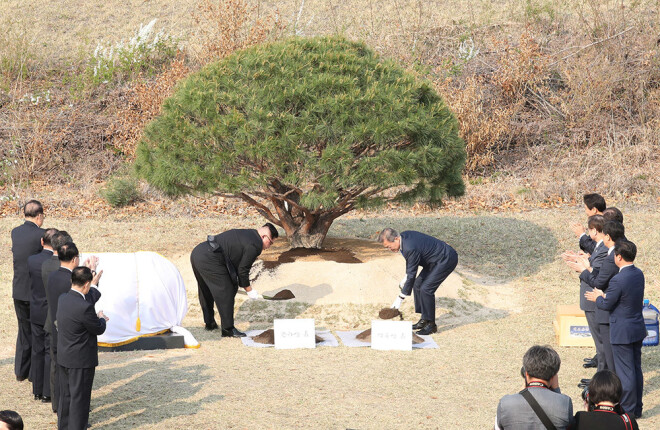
(305, 130)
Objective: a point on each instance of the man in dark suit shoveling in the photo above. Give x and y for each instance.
(437, 260)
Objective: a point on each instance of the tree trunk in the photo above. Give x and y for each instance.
(310, 233)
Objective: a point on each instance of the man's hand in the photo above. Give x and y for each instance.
(253, 294)
(578, 229)
(398, 301)
(102, 315)
(97, 278)
(91, 262)
(580, 264)
(593, 295)
(569, 256)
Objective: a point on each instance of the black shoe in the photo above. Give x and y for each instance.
(38, 397)
(429, 328)
(585, 380)
(582, 385)
(46, 399)
(232, 332)
(590, 364)
(212, 326)
(20, 378)
(588, 359)
(419, 324)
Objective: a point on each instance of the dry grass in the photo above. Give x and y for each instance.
(226, 385)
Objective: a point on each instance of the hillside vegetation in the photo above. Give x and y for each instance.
(553, 97)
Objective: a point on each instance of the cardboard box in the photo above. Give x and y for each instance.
(571, 328)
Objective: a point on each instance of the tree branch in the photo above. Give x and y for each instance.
(261, 208)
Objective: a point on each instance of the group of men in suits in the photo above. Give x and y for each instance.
(56, 345)
(611, 296)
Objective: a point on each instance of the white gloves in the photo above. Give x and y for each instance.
(398, 301)
(253, 294)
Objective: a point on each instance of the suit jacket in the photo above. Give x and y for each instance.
(49, 266)
(59, 282)
(596, 260)
(423, 250)
(624, 300)
(25, 241)
(77, 328)
(514, 413)
(240, 248)
(38, 304)
(600, 278)
(587, 244)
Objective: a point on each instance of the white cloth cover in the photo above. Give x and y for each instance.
(141, 284)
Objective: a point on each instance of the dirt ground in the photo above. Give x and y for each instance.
(500, 301)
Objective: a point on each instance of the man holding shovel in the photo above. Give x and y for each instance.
(437, 260)
(221, 264)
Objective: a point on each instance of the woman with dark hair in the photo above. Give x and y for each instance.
(604, 411)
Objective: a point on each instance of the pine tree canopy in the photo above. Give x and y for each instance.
(305, 128)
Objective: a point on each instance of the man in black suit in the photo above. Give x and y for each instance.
(25, 241)
(49, 266)
(594, 204)
(437, 260)
(78, 325)
(595, 224)
(221, 264)
(624, 300)
(613, 232)
(40, 360)
(59, 282)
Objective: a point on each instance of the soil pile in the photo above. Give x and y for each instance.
(282, 295)
(365, 336)
(389, 313)
(268, 337)
(341, 255)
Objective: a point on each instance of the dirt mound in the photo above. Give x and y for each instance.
(365, 336)
(282, 295)
(340, 255)
(268, 337)
(389, 313)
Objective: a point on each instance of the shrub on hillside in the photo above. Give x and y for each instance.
(121, 191)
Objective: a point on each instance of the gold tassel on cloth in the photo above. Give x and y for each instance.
(138, 325)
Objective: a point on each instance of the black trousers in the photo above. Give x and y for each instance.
(607, 347)
(23, 340)
(597, 336)
(628, 363)
(213, 285)
(427, 283)
(54, 371)
(75, 397)
(40, 361)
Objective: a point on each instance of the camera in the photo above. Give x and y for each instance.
(585, 394)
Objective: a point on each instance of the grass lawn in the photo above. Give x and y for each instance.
(226, 385)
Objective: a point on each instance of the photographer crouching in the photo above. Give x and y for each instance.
(602, 398)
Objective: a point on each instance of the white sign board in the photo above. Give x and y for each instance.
(391, 335)
(292, 334)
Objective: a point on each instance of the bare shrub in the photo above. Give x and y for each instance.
(224, 26)
(54, 142)
(140, 103)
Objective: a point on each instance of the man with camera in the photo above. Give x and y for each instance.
(540, 405)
